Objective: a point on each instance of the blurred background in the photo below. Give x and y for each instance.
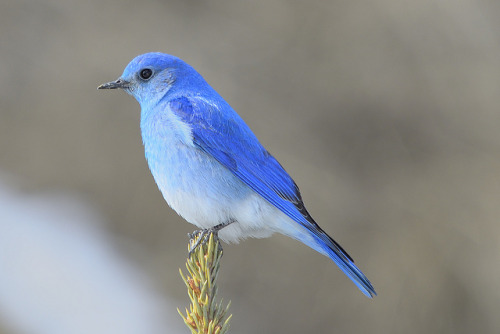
(384, 112)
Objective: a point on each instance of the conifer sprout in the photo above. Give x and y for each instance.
(205, 315)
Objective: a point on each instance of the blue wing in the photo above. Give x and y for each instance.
(221, 133)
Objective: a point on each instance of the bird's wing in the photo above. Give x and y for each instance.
(223, 135)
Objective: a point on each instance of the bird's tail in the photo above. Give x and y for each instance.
(314, 237)
(329, 247)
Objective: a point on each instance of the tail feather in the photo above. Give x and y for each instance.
(330, 248)
(313, 236)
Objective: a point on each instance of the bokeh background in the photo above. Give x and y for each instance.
(386, 113)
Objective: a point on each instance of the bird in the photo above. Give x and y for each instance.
(211, 168)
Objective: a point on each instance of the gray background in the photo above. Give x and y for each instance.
(384, 112)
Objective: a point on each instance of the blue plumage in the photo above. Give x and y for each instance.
(209, 165)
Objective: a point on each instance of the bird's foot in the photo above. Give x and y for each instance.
(202, 235)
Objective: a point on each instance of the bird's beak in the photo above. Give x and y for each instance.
(120, 83)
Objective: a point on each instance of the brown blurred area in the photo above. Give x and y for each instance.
(385, 113)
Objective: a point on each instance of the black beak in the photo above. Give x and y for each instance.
(120, 83)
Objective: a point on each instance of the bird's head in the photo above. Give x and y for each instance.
(150, 76)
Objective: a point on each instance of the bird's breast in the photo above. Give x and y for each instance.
(193, 183)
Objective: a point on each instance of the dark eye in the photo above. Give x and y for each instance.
(146, 73)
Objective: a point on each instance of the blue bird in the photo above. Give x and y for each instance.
(211, 168)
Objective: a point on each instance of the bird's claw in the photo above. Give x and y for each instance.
(203, 234)
(202, 238)
(193, 234)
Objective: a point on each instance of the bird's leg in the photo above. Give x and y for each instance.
(206, 232)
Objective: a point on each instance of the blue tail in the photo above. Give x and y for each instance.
(333, 250)
(314, 237)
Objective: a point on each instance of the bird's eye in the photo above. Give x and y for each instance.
(146, 73)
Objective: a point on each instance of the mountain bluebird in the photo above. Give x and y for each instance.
(210, 167)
